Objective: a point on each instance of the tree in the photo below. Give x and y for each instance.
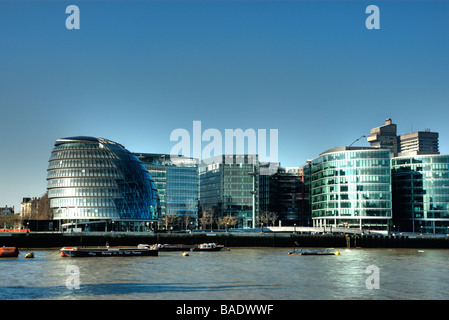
(169, 219)
(207, 217)
(266, 217)
(228, 221)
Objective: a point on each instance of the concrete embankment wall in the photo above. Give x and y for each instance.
(56, 240)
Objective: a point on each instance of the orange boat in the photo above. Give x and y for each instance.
(9, 252)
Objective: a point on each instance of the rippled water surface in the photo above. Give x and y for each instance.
(238, 274)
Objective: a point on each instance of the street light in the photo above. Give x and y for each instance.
(253, 192)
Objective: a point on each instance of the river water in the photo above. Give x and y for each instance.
(238, 274)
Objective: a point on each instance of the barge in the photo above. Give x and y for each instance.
(314, 252)
(140, 251)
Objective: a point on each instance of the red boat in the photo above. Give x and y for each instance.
(9, 252)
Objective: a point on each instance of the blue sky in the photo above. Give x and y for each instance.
(137, 70)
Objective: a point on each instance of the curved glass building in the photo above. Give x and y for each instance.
(420, 185)
(350, 187)
(95, 184)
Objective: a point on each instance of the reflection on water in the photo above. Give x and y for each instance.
(239, 274)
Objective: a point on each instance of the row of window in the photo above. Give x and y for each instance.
(60, 173)
(351, 188)
(423, 159)
(361, 163)
(413, 175)
(84, 192)
(351, 172)
(81, 202)
(81, 182)
(351, 204)
(352, 179)
(86, 213)
(80, 163)
(421, 167)
(352, 213)
(353, 196)
(371, 154)
(406, 191)
(80, 154)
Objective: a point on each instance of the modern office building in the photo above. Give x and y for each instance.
(420, 187)
(229, 185)
(351, 187)
(177, 182)
(283, 193)
(95, 184)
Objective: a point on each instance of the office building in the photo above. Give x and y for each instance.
(351, 187)
(283, 193)
(229, 185)
(418, 142)
(177, 182)
(95, 184)
(420, 186)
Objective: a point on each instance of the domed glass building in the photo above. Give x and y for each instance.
(95, 184)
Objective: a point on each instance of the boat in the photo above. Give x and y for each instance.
(207, 247)
(314, 252)
(8, 252)
(141, 250)
(175, 247)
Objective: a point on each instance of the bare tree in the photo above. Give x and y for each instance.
(228, 220)
(187, 219)
(207, 217)
(266, 217)
(169, 219)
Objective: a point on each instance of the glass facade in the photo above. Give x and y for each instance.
(91, 179)
(229, 185)
(351, 187)
(420, 185)
(177, 182)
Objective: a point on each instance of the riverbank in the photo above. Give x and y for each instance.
(231, 239)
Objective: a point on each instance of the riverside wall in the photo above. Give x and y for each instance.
(244, 239)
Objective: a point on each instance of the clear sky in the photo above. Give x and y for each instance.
(137, 70)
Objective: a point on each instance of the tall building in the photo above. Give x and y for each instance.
(177, 182)
(384, 137)
(283, 194)
(418, 142)
(95, 184)
(351, 186)
(420, 186)
(229, 185)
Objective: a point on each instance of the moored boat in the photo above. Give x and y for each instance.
(314, 252)
(9, 252)
(141, 250)
(175, 247)
(207, 247)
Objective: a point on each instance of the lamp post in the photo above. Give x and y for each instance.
(253, 192)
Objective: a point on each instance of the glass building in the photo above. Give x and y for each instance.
(229, 186)
(177, 183)
(95, 184)
(351, 187)
(420, 186)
